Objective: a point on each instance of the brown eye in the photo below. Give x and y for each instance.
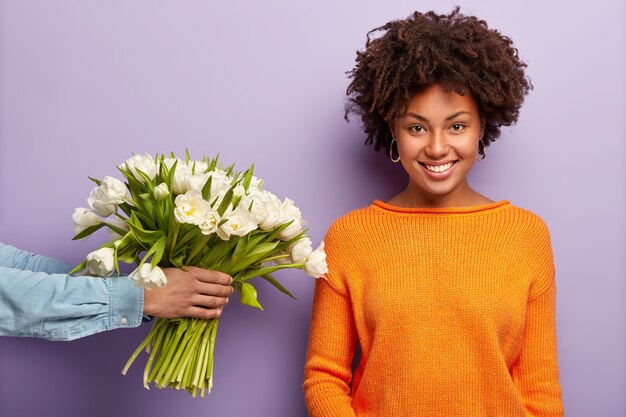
(457, 127)
(416, 129)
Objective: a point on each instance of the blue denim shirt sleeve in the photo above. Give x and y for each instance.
(39, 299)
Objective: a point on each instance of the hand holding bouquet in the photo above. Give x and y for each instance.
(175, 212)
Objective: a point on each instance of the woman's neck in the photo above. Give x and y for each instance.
(463, 196)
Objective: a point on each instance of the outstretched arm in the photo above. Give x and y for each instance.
(38, 298)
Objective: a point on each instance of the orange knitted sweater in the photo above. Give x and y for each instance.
(454, 310)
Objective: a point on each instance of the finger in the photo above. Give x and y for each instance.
(214, 289)
(214, 277)
(203, 313)
(208, 301)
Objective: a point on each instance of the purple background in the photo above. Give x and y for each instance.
(84, 83)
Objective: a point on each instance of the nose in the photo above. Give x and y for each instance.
(437, 146)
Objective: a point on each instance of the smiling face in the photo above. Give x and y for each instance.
(438, 142)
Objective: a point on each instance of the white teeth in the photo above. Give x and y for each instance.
(439, 168)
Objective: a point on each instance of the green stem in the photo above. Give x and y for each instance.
(273, 258)
(193, 354)
(194, 334)
(176, 352)
(175, 227)
(169, 330)
(155, 349)
(171, 350)
(201, 353)
(201, 244)
(211, 352)
(205, 361)
(140, 348)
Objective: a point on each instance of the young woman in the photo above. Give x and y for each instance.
(450, 295)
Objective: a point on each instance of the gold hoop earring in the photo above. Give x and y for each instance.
(396, 159)
(482, 149)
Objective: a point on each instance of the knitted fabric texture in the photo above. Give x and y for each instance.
(454, 310)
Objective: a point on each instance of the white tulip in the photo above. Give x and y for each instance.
(196, 182)
(101, 262)
(84, 218)
(191, 208)
(255, 183)
(179, 180)
(239, 223)
(255, 203)
(149, 277)
(105, 197)
(169, 162)
(144, 163)
(290, 210)
(198, 167)
(210, 222)
(265, 208)
(315, 264)
(161, 191)
(301, 250)
(220, 184)
(239, 190)
(291, 231)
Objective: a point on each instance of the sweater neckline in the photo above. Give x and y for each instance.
(483, 208)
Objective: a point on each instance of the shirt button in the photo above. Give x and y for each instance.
(123, 320)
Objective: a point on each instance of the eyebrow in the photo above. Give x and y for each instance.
(422, 118)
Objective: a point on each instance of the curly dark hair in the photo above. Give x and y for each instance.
(458, 52)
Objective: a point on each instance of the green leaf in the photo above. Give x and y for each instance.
(241, 247)
(256, 255)
(79, 267)
(186, 236)
(168, 178)
(278, 285)
(213, 163)
(157, 251)
(206, 190)
(148, 182)
(247, 178)
(230, 170)
(178, 259)
(116, 229)
(261, 250)
(143, 236)
(248, 296)
(264, 271)
(226, 201)
(128, 256)
(126, 208)
(236, 201)
(88, 231)
(97, 181)
(212, 257)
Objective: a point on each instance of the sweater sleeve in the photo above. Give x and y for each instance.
(332, 341)
(536, 371)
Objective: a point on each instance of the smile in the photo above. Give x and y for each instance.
(438, 168)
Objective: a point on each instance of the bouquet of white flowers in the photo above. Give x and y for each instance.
(181, 212)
